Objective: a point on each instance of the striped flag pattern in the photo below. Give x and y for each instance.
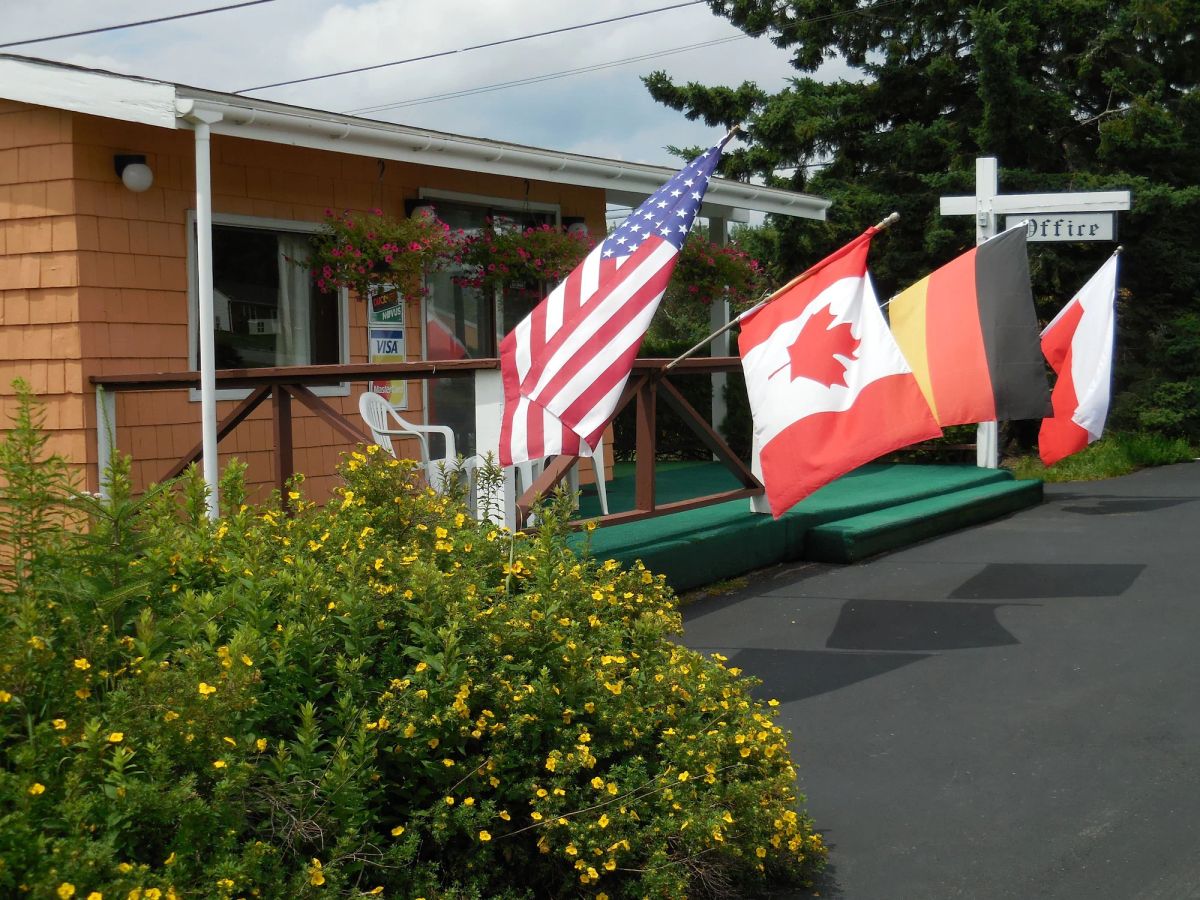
(565, 365)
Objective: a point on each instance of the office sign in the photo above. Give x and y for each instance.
(1066, 226)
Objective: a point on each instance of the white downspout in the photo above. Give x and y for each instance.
(200, 121)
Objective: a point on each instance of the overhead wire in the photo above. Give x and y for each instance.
(484, 46)
(137, 24)
(551, 76)
(548, 76)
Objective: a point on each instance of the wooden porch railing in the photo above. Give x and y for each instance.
(282, 386)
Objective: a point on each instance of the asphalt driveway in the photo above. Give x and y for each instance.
(1010, 711)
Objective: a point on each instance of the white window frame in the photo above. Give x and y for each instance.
(263, 224)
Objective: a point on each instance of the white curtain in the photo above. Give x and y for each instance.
(294, 342)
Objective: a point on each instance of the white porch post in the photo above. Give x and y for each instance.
(500, 505)
(987, 186)
(719, 317)
(200, 122)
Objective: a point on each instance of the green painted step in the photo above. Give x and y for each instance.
(858, 537)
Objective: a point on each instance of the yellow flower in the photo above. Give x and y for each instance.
(170, 715)
(82, 665)
(116, 737)
(170, 860)
(551, 763)
(504, 815)
(59, 724)
(226, 883)
(152, 894)
(65, 890)
(378, 889)
(449, 801)
(315, 875)
(597, 782)
(95, 895)
(397, 831)
(5, 696)
(205, 689)
(485, 836)
(421, 667)
(37, 788)
(230, 741)
(83, 693)
(37, 643)
(246, 660)
(683, 776)
(447, 762)
(218, 763)
(536, 816)
(470, 801)
(261, 744)
(602, 821)
(125, 868)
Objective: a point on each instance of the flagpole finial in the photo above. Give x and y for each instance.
(1119, 249)
(891, 219)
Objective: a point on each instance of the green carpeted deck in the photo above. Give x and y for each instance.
(873, 509)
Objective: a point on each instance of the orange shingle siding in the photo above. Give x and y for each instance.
(93, 277)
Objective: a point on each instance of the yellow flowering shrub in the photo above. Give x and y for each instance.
(375, 696)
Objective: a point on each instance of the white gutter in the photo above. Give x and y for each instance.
(201, 123)
(150, 102)
(623, 182)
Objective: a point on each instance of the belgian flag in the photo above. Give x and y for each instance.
(970, 333)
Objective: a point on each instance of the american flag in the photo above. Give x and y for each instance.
(565, 365)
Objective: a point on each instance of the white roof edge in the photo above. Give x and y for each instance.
(168, 105)
(88, 91)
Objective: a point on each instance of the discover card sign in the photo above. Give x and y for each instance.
(1066, 226)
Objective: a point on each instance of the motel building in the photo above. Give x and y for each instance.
(105, 182)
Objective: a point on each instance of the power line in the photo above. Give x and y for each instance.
(188, 15)
(441, 53)
(549, 76)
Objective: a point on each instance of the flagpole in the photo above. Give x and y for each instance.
(799, 279)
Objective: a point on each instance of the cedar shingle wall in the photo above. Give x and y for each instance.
(93, 278)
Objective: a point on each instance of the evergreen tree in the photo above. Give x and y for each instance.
(1070, 95)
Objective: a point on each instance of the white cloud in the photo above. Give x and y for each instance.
(606, 112)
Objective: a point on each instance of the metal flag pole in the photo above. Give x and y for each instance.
(799, 279)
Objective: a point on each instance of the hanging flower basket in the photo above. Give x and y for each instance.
(519, 257)
(360, 251)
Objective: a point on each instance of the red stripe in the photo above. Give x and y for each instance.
(569, 326)
(600, 343)
(887, 414)
(958, 369)
(1059, 436)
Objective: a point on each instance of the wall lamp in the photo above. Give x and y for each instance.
(133, 171)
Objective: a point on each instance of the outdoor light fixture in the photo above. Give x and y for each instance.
(575, 225)
(133, 171)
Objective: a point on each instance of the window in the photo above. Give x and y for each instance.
(267, 311)
(460, 322)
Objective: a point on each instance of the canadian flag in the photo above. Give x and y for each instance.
(829, 388)
(1078, 344)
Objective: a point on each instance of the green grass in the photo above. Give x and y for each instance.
(1112, 455)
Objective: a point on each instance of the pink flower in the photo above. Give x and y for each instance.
(414, 246)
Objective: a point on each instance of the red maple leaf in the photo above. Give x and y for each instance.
(814, 353)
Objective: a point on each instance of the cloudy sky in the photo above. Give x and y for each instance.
(605, 111)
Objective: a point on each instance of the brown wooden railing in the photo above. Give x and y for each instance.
(282, 386)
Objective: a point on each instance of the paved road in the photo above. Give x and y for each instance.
(1010, 711)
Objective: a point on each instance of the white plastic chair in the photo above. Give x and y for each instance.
(527, 473)
(385, 423)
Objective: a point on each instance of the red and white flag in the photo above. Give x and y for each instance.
(565, 365)
(1078, 344)
(829, 389)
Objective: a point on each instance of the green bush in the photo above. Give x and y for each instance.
(1114, 454)
(378, 696)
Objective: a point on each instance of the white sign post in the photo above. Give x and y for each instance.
(988, 203)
